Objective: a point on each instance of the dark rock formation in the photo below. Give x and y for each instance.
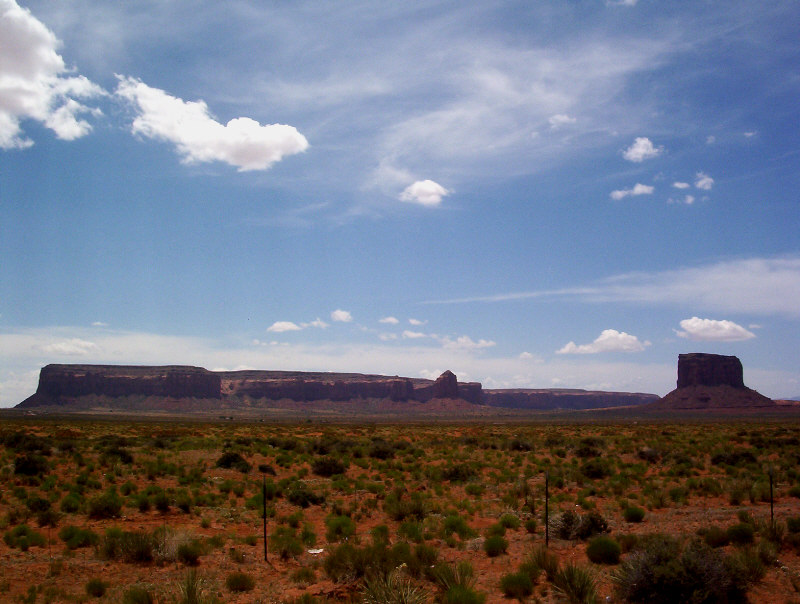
(701, 369)
(446, 386)
(61, 383)
(564, 399)
(711, 381)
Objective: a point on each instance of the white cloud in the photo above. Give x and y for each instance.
(750, 134)
(198, 137)
(638, 189)
(711, 139)
(389, 320)
(610, 340)
(688, 200)
(681, 185)
(71, 347)
(99, 324)
(416, 322)
(413, 335)
(642, 149)
(316, 323)
(467, 343)
(558, 120)
(32, 81)
(425, 193)
(341, 316)
(711, 330)
(703, 181)
(283, 326)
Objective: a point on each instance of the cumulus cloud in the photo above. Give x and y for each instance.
(342, 316)
(282, 326)
(703, 181)
(681, 185)
(642, 149)
(610, 340)
(389, 320)
(416, 322)
(70, 347)
(638, 189)
(558, 120)
(33, 84)
(711, 330)
(316, 323)
(413, 335)
(198, 137)
(425, 193)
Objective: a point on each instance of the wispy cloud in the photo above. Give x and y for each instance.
(638, 189)
(703, 181)
(764, 286)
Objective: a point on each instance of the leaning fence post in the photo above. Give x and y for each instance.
(547, 509)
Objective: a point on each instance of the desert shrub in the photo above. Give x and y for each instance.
(239, 582)
(516, 585)
(457, 583)
(284, 542)
(509, 521)
(75, 538)
(453, 523)
(741, 534)
(304, 575)
(531, 525)
(348, 562)
(189, 553)
(107, 505)
(71, 503)
(399, 507)
(339, 528)
(327, 467)
(603, 550)
(474, 489)
(411, 531)
(137, 594)
(495, 545)
(300, 495)
(128, 546)
(393, 589)
(30, 464)
(541, 558)
(459, 473)
(597, 468)
(566, 525)
(659, 571)
(633, 513)
(648, 454)
(734, 457)
(793, 524)
(575, 584)
(591, 524)
(715, 536)
(96, 588)
(232, 459)
(627, 542)
(747, 565)
(22, 537)
(569, 525)
(423, 559)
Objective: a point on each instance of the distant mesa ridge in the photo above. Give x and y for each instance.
(185, 388)
(711, 381)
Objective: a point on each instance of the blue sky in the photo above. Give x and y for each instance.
(530, 194)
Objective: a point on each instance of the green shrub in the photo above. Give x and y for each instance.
(575, 585)
(107, 505)
(304, 575)
(30, 465)
(327, 467)
(715, 537)
(516, 585)
(239, 582)
(189, 553)
(74, 537)
(531, 525)
(232, 459)
(339, 528)
(495, 545)
(741, 534)
(284, 542)
(603, 550)
(541, 558)
(96, 588)
(393, 589)
(660, 571)
(71, 503)
(137, 594)
(633, 514)
(457, 583)
(453, 523)
(22, 537)
(509, 521)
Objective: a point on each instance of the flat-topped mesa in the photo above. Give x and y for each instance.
(702, 369)
(711, 381)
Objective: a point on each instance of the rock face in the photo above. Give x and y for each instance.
(700, 369)
(711, 381)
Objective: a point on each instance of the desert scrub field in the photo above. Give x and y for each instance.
(172, 512)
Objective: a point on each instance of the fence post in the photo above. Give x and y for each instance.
(264, 512)
(547, 509)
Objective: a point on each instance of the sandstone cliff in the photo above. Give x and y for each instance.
(543, 399)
